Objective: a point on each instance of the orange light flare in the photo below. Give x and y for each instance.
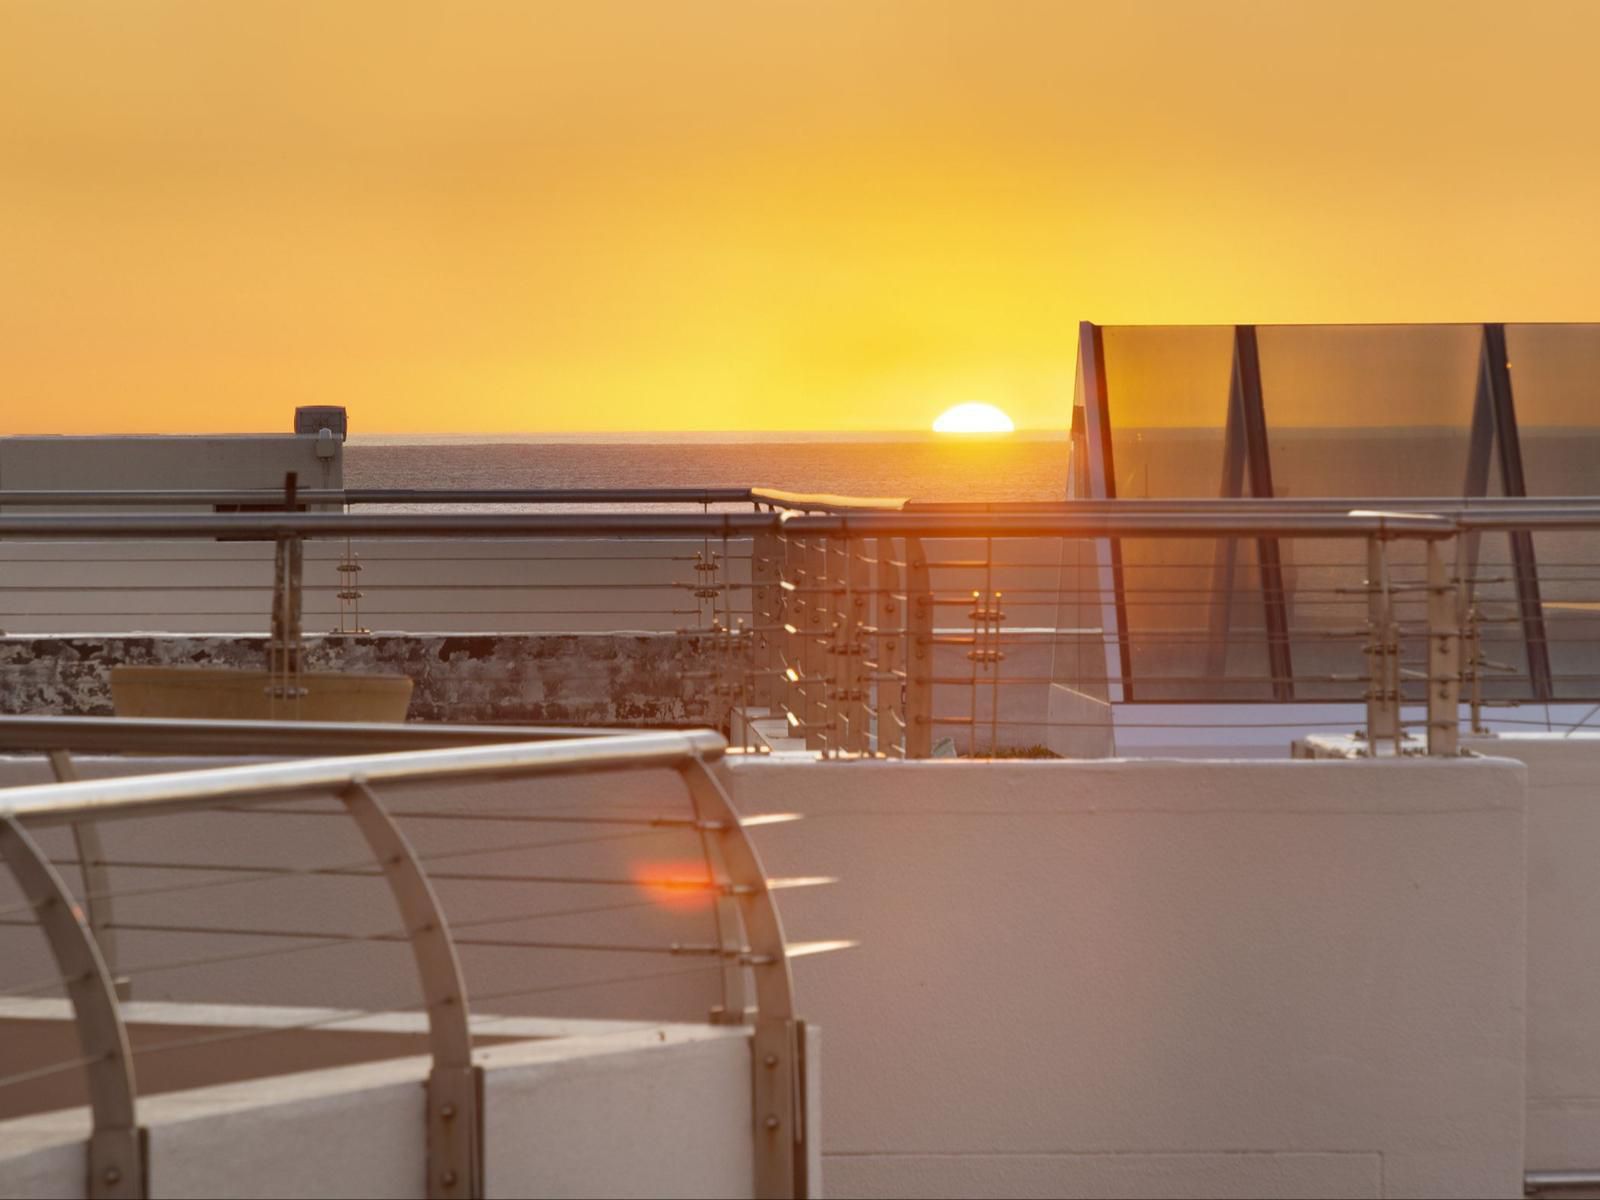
(678, 884)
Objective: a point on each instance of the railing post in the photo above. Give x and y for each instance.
(836, 646)
(888, 660)
(860, 614)
(454, 1125)
(777, 1040)
(97, 901)
(116, 1169)
(1444, 655)
(1383, 700)
(919, 652)
(765, 549)
(814, 653)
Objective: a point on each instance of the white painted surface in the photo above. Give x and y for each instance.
(1563, 945)
(661, 1111)
(642, 1117)
(1281, 971)
(1146, 978)
(1238, 1176)
(204, 461)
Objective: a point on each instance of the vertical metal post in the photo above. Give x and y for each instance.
(1383, 702)
(780, 1127)
(838, 645)
(1225, 556)
(919, 652)
(1497, 383)
(1473, 663)
(1480, 451)
(792, 616)
(1102, 474)
(285, 645)
(765, 554)
(1253, 417)
(889, 659)
(860, 576)
(816, 631)
(116, 1159)
(454, 1128)
(1444, 655)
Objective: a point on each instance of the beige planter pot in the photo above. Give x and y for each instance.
(226, 693)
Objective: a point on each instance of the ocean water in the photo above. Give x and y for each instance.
(1015, 468)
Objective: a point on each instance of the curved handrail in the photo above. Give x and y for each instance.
(454, 1127)
(141, 795)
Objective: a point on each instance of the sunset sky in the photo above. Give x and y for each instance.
(750, 214)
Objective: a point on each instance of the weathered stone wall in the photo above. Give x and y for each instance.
(586, 679)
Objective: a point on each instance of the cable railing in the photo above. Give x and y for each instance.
(862, 628)
(506, 882)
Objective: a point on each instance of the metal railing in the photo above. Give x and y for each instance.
(745, 958)
(924, 628)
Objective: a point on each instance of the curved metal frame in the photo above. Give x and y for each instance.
(97, 900)
(455, 1133)
(749, 931)
(777, 1039)
(115, 1152)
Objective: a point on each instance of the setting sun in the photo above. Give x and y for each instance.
(973, 418)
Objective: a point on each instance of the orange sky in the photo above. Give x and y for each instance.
(830, 214)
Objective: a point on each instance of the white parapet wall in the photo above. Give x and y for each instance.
(1137, 978)
(1162, 978)
(626, 1111)
(1563, 946)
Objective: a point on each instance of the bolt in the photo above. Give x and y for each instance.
(113, 1175)
(448, 1179)
(772, 1122)
(771, 1060)
(447, 1111)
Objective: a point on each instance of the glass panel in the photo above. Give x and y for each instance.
(1167, 391)
(1364, 412)
(1555, 381)
(1369, 410)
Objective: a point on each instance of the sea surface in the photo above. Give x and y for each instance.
(1023, 467)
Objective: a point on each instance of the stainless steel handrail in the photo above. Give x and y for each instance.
(1359, 523)
(816, 502)
(116, 497)
(140, 795)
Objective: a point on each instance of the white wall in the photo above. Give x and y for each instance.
(165, 461)
(654, 1112)
(1162, 978)
(1126, 978)
(1563, 947)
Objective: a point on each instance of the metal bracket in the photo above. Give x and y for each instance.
(455, 1134)
(115, 1150)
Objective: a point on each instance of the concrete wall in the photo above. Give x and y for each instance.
(1563, 949)
(1162, 978)
(662, 1111)
(594, 679)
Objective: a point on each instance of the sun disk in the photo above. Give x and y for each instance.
(973, 418)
